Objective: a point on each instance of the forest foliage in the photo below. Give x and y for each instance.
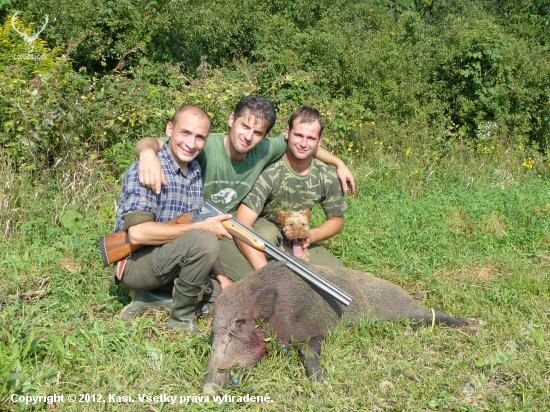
(407, 71)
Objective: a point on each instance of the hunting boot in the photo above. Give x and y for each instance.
(142, 301)
(184, 300)
(205, 307)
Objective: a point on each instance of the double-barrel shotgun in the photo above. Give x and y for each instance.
(117, 246)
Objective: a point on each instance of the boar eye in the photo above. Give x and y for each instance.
(239, 323)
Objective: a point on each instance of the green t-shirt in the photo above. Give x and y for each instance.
(281, 188)
(226, 181)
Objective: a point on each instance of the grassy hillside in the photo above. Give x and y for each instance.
(467, 233)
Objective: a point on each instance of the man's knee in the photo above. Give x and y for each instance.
(318, 255)
(268, 231)
(195, 244)
(207, 243)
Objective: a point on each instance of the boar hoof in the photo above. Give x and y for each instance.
(319, 377)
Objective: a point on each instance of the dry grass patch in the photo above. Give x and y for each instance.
(484, 271)
(69, 264)
(458, 222)
(495, 223)
(541, 211)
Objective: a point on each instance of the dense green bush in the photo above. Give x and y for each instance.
(381, 70)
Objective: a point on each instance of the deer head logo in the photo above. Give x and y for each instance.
(29, 39)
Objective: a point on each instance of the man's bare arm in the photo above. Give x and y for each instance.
(344, 174)
(154, 233)
(150, 171)
(330, 227)
(248, 217)
(219, 274)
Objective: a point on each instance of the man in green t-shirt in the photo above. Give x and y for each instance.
(231, 163)
(297, 182)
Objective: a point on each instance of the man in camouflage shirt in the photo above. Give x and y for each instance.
(297, 181)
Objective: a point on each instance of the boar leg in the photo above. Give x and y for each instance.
(309, 353)
(445, 319)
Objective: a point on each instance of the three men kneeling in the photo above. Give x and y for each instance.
(180, 258)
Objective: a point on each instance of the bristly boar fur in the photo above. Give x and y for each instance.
(290, 306)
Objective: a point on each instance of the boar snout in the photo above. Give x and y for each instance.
(215, 379)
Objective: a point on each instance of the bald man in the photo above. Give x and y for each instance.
(179, 258)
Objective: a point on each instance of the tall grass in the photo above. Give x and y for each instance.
(464, 230)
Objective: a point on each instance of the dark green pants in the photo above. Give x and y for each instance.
(189, 257)
(234, 264)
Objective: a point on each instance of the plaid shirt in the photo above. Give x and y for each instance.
(182, 195)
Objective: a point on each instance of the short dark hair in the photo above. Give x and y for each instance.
(259, 106)
(196, 110)
(307, 114)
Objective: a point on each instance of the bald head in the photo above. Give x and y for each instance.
(190, 110)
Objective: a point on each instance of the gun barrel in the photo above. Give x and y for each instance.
(293, 263)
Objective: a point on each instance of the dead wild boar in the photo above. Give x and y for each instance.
(290, 306)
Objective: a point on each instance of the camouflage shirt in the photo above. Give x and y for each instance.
(281, 188)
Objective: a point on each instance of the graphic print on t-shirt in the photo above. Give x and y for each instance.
(224, 196)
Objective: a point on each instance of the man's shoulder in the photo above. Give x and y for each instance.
(325, 170)
(275, 165)
(132, 170)
(275, 145)
(214, 139)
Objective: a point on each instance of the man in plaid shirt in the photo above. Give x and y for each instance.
(177, 257)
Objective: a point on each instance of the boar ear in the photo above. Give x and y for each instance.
(282, 216)
(266, 299)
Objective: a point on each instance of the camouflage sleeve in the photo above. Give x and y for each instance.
(334, 201)
(259, 193)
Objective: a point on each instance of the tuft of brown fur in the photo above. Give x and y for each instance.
(295, 230)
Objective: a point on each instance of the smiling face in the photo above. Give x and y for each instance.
(245, 133)
(188, 134)
(303, 139)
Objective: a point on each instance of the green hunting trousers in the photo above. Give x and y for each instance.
(189, 257)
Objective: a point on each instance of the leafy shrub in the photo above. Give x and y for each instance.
(424, 70)
(493, 79)
(15, 51)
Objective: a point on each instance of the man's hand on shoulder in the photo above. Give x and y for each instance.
(346, 178)
(344, 174)
(150, 171)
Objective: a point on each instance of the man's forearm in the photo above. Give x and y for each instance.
(248, 217)
(332, 226)
(154, 233)
(148, 143)
(326, 157)
(219, 274)
(256, 258)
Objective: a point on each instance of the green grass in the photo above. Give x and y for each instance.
(468, 233)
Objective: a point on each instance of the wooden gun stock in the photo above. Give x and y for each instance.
(117, 246)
